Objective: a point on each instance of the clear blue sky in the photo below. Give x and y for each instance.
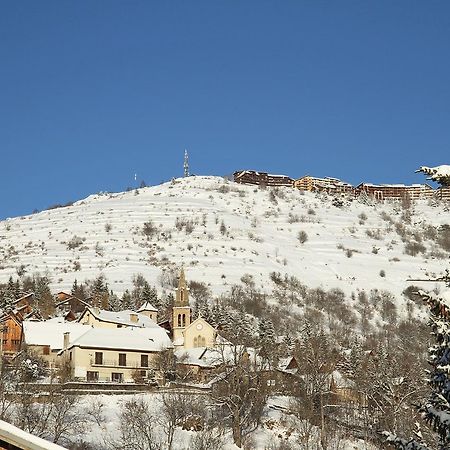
(94, 91)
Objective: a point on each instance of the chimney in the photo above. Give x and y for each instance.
(66, 340)
(134, 318)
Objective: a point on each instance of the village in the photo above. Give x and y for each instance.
(95, 345)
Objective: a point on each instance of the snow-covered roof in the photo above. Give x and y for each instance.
(212, 357)
(122, 318)
(147, 306)
(341, 381)
(133, 338)
(51, 332)
(396, 185)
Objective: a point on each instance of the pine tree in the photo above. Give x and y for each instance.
(115, 304)
(44, 298)
(100, 292)
(126, 300)
(149, 294)
(436, 411)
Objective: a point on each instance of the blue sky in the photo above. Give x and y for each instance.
(92, 92)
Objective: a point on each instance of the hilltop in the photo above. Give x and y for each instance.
(219, 230)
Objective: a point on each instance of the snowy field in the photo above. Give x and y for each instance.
(219, 231)
(276, 428)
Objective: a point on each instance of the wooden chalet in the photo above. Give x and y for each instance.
(261, 178)
(27, 301)
(395, 191)
(327, 184)
(69, 306)
(11, 324)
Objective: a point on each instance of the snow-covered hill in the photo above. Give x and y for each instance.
(219, 231)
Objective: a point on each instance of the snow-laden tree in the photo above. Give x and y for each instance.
(436, 410)
(440, 174)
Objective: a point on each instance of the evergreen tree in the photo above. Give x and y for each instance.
(100, 292)
(10, 293)
(436, 410)
(44, 298)
(115, 304)
(150, 295)
(79, 291)
(126, 300)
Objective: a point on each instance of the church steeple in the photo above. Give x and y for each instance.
(181, 312)
(182, 292)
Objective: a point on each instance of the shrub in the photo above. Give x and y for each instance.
(108, 227)
(75, 242)
(414, 248)
(382, 274)
(302, 237)
(149, 228)
(223, 228)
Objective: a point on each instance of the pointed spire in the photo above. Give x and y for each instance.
(182, 293)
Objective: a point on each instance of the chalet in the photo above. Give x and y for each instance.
(344, 391)
(327, 184)
(115, 355)
(261, 178)
(203, 364)
(26, 302)
(69, 306)
(46, 338)
(11, 323)
(395, 191)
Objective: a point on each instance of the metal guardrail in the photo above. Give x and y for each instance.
(21, 440)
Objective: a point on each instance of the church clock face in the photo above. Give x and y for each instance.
(199, 326)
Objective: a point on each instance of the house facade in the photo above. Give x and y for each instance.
(114, 355)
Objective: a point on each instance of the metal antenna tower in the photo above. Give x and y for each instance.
(186, 163)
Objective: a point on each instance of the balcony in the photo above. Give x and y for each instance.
(114, 363)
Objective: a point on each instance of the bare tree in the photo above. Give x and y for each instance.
(136, 427)
(241, 392)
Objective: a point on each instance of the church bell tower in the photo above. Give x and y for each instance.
(181, 315)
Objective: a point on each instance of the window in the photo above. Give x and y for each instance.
(122, 359)
(144, 360)
(117, 377)
(98, 358)
(199, 341)
(183, 320)
(91, 376)
(179, 320)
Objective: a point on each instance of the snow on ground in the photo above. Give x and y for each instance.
(277, 426)
(103, 234)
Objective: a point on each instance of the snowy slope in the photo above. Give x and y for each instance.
(106, 235)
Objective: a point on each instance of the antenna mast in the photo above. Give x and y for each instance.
(186, 163)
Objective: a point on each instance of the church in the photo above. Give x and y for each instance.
(187, 334)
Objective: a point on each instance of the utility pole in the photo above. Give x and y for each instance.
(186, 163)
